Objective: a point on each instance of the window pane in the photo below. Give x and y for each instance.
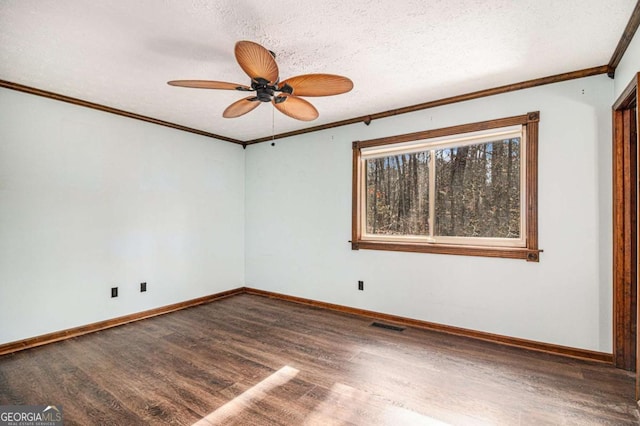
(478, 190)
(397, 194)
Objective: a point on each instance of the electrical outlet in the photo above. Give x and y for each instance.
(360, 285)
(114, 291)
(143, 287)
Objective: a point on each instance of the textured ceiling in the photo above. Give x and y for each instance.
(398, 53)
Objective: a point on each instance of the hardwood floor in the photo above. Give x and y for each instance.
(250, 360)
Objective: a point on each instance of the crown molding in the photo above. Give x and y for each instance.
(104, 108)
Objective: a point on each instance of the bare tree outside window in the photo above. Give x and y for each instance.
(398, 194)
(478, 190)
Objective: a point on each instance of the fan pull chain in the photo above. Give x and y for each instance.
(273, 126)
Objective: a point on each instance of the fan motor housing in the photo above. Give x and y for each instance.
(264, 91)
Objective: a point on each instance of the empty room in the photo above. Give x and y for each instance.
(319, 213)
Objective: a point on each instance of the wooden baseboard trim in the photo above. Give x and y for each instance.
(549, 348)
(57, 336)
(102, 325)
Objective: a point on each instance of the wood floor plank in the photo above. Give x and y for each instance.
(253, 360)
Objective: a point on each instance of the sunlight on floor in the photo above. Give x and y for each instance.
(351, 405)
(342, 404)
(255, 393)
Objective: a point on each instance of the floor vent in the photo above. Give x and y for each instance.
(387, 326)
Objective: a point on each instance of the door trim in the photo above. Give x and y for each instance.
(625, 231)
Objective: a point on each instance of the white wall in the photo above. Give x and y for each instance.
(298, 210)
(629, 66)
(90, 200)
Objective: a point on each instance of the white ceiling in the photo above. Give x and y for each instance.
(121, 53)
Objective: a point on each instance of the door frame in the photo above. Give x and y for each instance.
(626, 210)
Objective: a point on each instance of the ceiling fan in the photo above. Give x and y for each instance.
(260, 65)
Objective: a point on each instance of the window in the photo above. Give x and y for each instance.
(469, 189)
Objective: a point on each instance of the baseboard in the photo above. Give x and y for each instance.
(549, 348)
(565, 351)
(102, 325)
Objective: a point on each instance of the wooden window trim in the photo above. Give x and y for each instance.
(529, 252)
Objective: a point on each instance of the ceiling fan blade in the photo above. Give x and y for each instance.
(208, 84)
(295, 107)
(318, 84)
(256, 61)
(241, 107)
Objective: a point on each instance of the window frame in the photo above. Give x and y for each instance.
(529, 251)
